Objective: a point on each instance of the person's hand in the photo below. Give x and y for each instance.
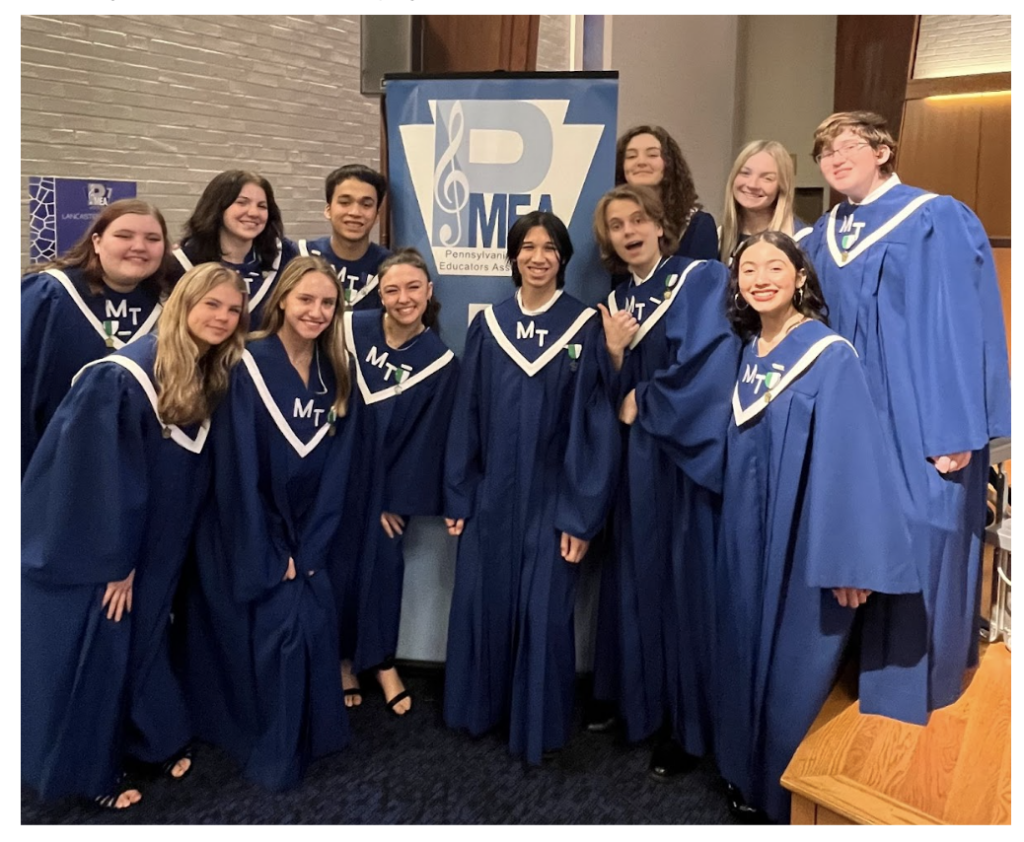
(627, 412)
(951, 462)
(455, 525)
(851, 597)
(392, 523)
(289, 574)
(573, 549)
(117, 598)
(619, 331)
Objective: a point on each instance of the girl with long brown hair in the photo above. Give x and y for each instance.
(237, 222)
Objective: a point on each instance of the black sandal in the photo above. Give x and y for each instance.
(389, 664)
(353, 691)
(394, 701)
(167, 769)
(108, 801)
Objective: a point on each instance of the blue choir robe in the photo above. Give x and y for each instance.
(910, 281)
(405, 398)
(259, 279)
(807, 507)
(63, 327)
(107, 492)
(700, 239)
(262, 653)
(653, 653)
(358, 277)
(527, 400)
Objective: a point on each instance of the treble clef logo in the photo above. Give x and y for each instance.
(451, 189)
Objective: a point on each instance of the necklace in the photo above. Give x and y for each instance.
(396, 337)
(764, 346)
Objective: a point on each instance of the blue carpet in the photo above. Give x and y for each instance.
(414, 770)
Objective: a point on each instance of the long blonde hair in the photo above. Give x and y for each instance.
(782, 218)
(189, 382)
(332, 341)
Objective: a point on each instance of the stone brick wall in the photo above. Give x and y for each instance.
(170, 101)
(961, 45)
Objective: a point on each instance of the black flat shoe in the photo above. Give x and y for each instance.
(669, 760)
(600, 717)
(740, 809)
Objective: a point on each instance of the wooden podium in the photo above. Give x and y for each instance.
(860, 769)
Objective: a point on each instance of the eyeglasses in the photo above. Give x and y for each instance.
(846, 151)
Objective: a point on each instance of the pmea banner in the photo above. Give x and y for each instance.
(469, 154)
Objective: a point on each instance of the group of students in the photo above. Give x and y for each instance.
(760, 479)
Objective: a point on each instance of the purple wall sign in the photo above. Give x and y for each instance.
(62, 209)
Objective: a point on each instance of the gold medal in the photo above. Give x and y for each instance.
(767, 397)
(110, 341)
(166, 432)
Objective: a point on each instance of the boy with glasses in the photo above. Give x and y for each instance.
(909, 279)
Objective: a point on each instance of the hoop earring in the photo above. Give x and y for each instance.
(798, 297)
(736, 303)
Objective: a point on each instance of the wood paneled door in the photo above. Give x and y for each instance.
(468, 43)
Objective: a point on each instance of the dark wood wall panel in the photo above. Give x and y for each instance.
(961, 146)
(1002, 257)
(994, 166)
(468, 43)
(940, 147)
(873, 60)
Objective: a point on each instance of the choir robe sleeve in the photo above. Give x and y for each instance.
(593, 450)
(83, 500)
(855, 532)
(687, 406)
(955, 334)
(414, 481)
(700, 240)
(463, 463)
(255, 536)
(38, 335)
(289, 251)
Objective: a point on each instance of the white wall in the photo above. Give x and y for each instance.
(786, 84)
(680, 71)
(960, 45)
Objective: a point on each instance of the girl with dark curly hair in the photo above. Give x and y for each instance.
(649, 155)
